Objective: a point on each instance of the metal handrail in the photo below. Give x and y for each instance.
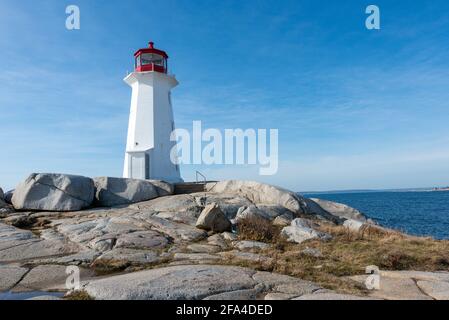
(197, 173)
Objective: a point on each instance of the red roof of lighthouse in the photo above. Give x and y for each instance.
(151, 49)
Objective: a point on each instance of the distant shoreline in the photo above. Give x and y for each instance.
(432, 189)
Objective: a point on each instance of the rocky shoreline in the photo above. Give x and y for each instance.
(138, 239)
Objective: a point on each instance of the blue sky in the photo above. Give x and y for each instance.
(355, 108)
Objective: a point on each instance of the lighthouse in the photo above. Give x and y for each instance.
(148, 145)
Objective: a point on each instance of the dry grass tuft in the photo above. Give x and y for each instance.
(258, 229)
(78, 295)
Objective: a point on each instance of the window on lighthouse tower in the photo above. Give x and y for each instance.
(149, 58)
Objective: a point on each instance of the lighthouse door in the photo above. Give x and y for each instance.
(138, 166)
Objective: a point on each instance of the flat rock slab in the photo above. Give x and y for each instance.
(203, 248)
(279, 296)
(330, 296)
(438, 290)
(116, 257)
(178, 231)
(248, 294)
(195, 256)
(81, 258)
(246, 256)
(417, 275)
(148, 239)
(35, 250)
(10, 276)
(48, 277)
(45, 298)
(280, 283)
(395, 289)
(172, 283)
(250, 245)
(174, 203)
(19, 245)
(194, 282)
(11, 236)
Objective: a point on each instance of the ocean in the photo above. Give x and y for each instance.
(418, 213)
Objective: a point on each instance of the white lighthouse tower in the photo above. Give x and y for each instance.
(151, 118)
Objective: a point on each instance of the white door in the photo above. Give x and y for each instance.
(138, 166)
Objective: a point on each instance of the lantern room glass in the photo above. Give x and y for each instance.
(152, 58)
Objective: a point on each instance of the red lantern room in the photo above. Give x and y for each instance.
(150, 59)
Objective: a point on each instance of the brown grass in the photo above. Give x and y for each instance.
(78, 295)
(258, 229)
(348, 253)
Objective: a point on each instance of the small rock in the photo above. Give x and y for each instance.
(312, 252)
(217, 240)
(212, 218)
(353, 225)
(301, 230)
(229, 236)
(283, 220)
(248, 245)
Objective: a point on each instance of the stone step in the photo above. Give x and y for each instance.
(189, 187)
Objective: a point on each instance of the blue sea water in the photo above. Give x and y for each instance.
(417, 213)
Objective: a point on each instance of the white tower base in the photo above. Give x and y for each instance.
(151, 122)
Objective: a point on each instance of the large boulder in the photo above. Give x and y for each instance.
(315, 209)
(301, 230)
(260, 193)
(213, 219)
(7, 197)
(340, 210)
(119, 191)
(54, 192)
(251, 212)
